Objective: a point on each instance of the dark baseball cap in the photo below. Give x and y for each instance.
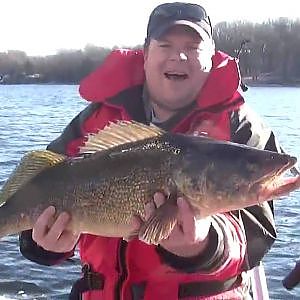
(166, 15)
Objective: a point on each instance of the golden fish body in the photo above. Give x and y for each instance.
(120, 169)
(101, 193)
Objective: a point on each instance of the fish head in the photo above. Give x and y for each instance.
(221, 176)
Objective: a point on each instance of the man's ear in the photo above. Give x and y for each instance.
(146, 49)
(213, 46)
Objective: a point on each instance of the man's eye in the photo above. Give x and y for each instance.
(164, 45)
(193, 48)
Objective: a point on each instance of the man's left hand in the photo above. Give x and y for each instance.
(190, 235)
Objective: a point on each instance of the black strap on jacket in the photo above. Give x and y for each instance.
(90, 281)
(193, 289)
(209, 288)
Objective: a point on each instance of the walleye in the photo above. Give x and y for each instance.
(122, 166)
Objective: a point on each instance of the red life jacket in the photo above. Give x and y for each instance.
(123, 265)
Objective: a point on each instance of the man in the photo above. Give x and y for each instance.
(181, 84)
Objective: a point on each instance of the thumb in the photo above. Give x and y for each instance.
(187, 219)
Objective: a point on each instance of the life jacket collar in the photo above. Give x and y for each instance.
(123, 69)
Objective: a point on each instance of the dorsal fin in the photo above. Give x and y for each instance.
(119, 133)
(30, 165)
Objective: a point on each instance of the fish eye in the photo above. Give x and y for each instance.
(176, 151)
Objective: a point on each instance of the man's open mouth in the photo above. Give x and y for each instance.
(175, 76)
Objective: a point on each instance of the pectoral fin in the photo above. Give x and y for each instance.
(159, 226)
(31, 164)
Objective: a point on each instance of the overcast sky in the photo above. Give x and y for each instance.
(41, 27)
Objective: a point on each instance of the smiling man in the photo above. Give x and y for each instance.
(177, 64)
(180, 83)
(178, 56)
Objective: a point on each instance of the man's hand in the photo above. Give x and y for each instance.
(190, 235)
(52, 234)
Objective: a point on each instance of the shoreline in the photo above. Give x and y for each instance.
(270, 82)
(263, 84)
(246, 82)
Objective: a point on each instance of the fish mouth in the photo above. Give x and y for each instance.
(274, 184)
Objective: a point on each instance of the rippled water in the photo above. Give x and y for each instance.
(280, 107)
(33, 115)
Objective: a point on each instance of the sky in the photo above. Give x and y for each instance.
(43, 27)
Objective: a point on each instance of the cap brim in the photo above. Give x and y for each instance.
(163, 29)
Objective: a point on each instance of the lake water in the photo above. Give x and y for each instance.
(33, 115)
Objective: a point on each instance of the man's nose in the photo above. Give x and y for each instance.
(179, 55)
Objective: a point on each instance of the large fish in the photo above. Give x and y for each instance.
(123, 165)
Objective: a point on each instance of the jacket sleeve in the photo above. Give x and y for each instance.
(226, 247)
(32, 251)
(254, 226)
(258, 220)
(28, 247)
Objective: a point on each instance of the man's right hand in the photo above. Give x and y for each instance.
(52, 234)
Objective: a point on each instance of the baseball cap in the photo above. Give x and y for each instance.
(166, 15)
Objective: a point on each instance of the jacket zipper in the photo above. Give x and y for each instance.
(121, 268)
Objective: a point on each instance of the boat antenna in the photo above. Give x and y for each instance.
(242, 45)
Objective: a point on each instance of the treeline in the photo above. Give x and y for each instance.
(67, 66)
(271, 53)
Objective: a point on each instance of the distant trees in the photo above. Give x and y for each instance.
(273, 50)
(64, 67)
(272, 55)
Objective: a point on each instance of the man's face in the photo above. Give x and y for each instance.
(176, 67)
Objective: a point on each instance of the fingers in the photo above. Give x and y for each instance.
(188, 238)
(195, 230)
(43, 223)
(149, 210)
(66, 242)
(185, 230)
(151, 206)
(136, 223)
(58, 227)
(159, 199)
(202, 228)
(51, 234)
(187, 220)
